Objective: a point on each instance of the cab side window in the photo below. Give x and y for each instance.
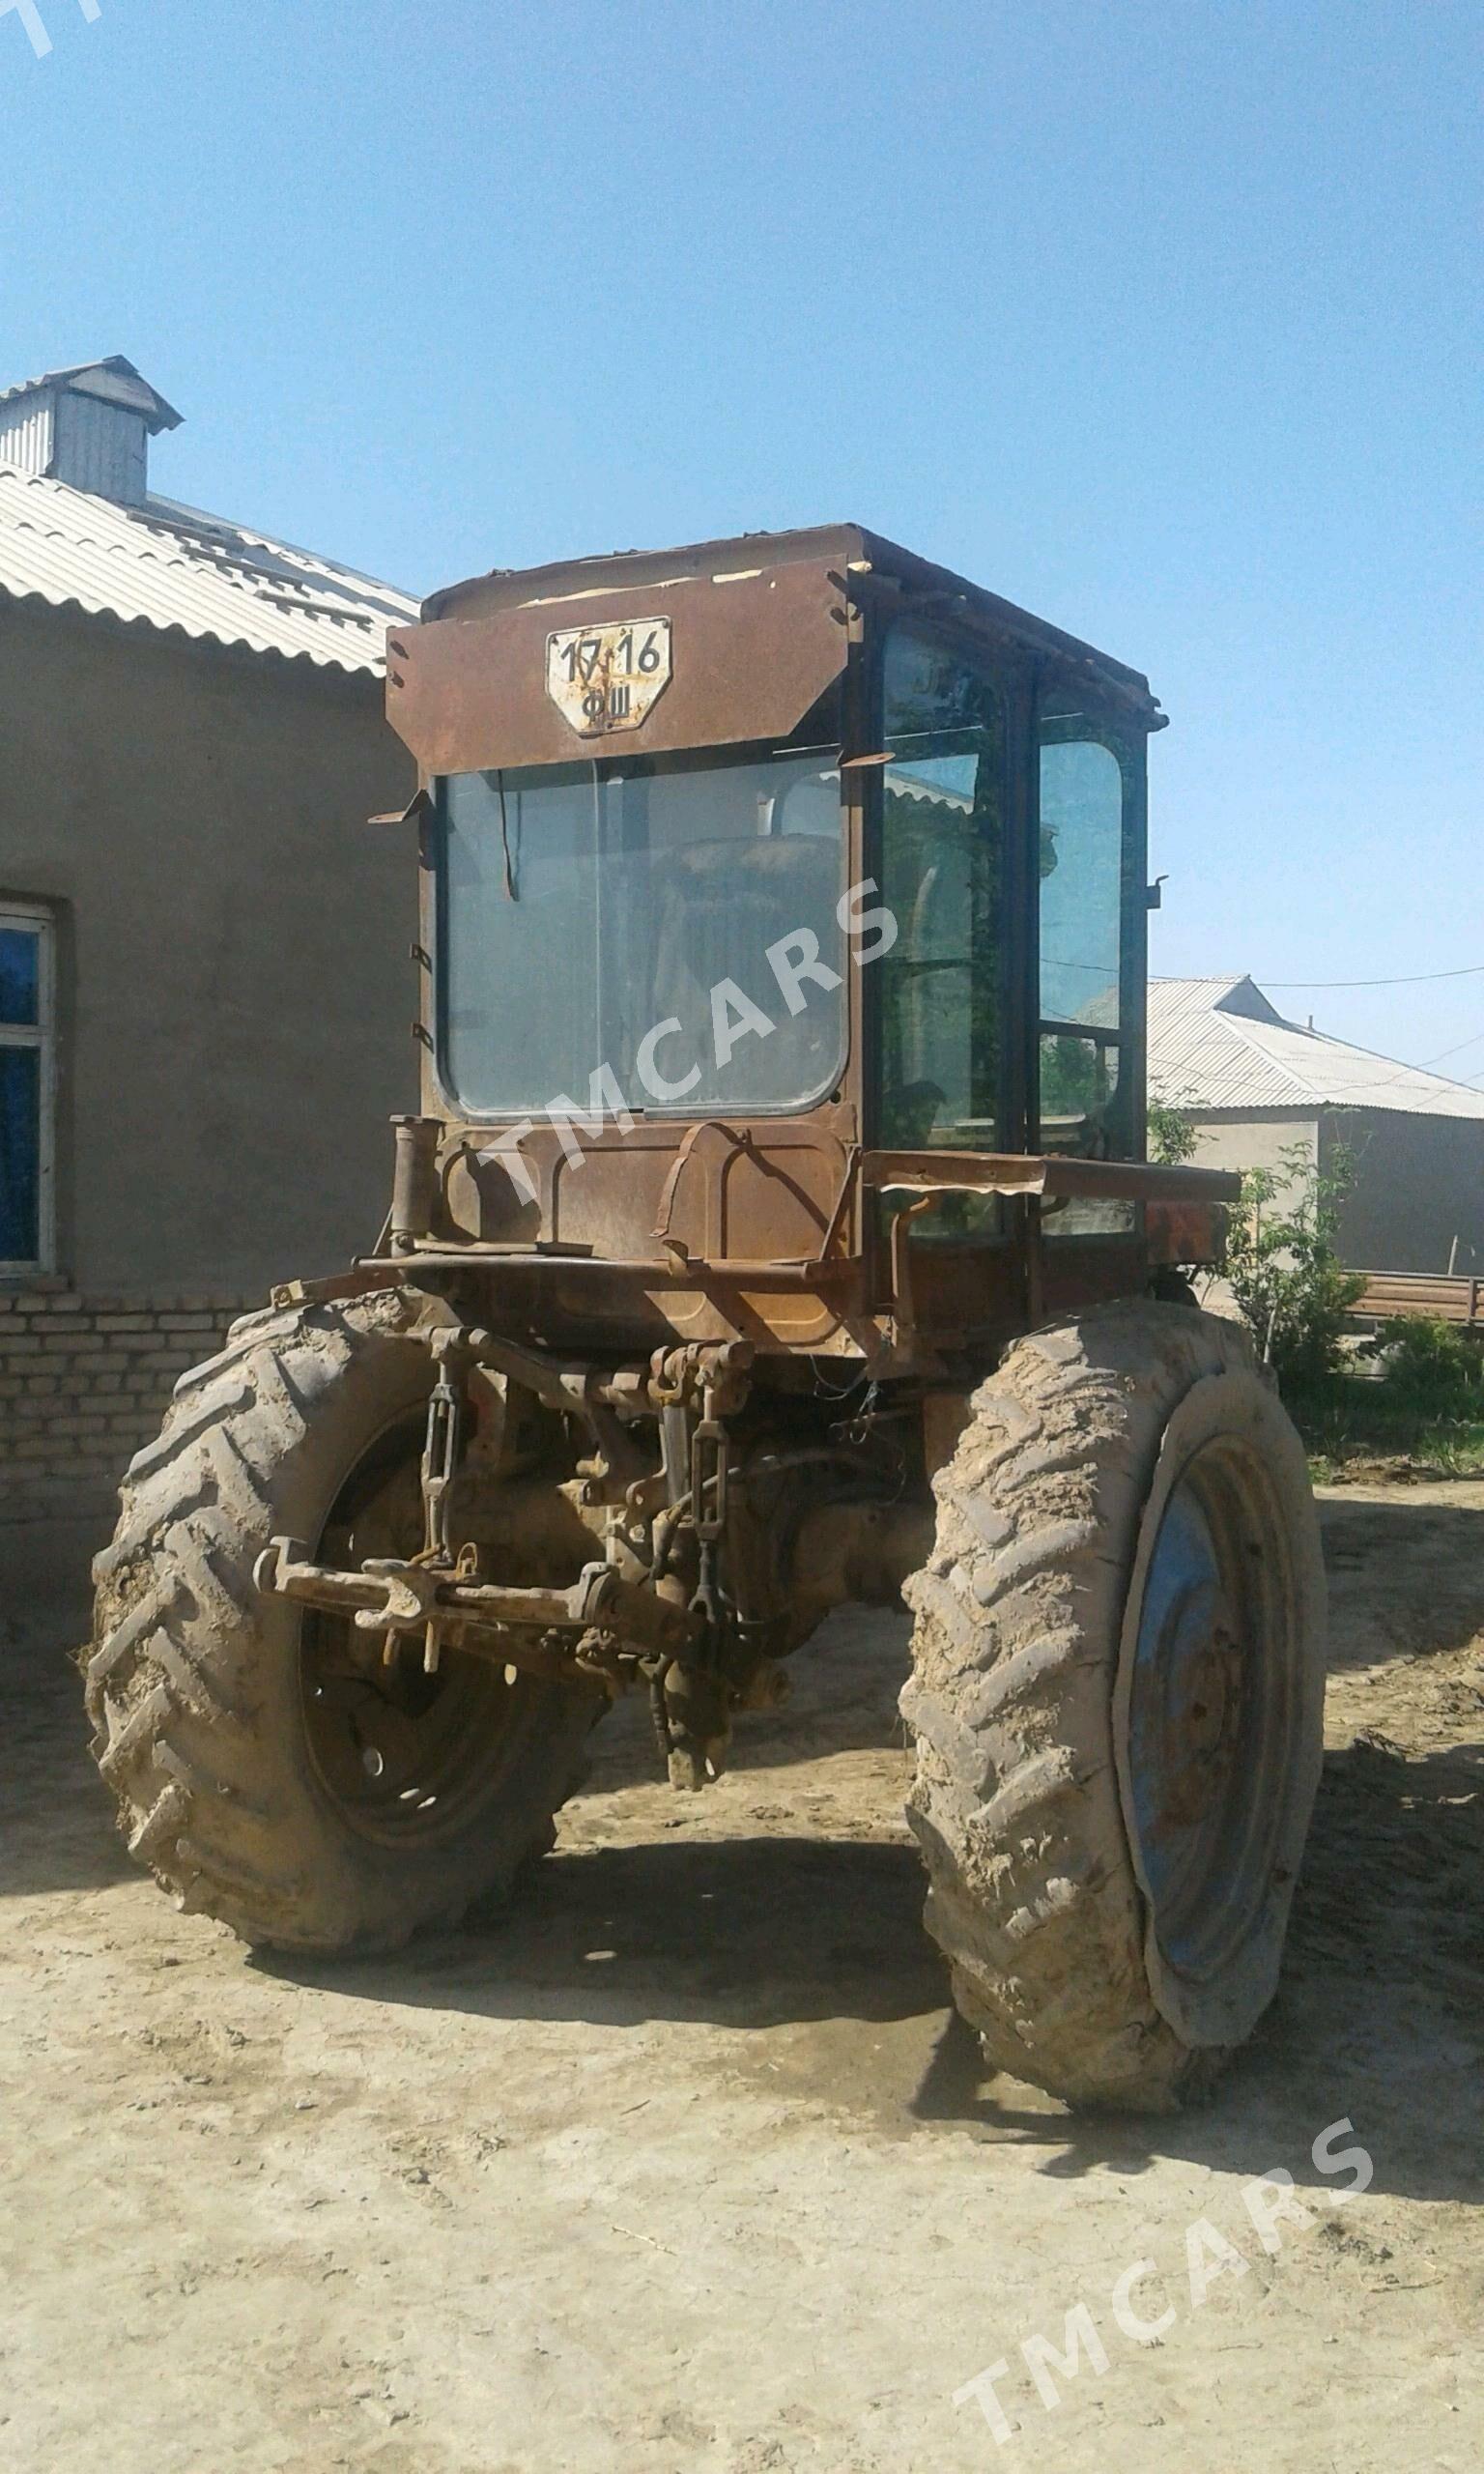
(1085, 1090)
(943, 813)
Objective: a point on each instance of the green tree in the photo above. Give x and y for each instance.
(1281, 1262)
(1170, 1134)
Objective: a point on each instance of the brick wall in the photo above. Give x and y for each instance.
(84, 1383)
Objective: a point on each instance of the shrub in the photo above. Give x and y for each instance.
(1285, 1274)
(1428, 1361)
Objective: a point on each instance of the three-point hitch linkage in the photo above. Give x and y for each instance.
(679, 1594)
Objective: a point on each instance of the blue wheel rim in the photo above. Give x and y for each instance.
(1210, 1709)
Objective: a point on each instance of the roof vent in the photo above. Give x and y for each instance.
(89, 428)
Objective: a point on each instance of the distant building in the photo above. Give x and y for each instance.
(1256, 1086)
(204, 984)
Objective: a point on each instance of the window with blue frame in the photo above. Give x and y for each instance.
(27, 1032)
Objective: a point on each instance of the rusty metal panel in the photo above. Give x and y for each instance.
(990, 1172)
(747, 1191)
(967, 1296)
(1185, 1232)
(880, 572)
(749, 653)
(1076, 1277)
(747, 1206)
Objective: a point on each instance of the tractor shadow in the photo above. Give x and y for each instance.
(749, 1934)
(810, 1956)
(793, 1925)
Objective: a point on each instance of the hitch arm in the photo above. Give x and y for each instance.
(389, 1595)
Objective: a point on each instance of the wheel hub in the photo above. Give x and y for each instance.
(1206, 1726)
(402, 1754)
(1199, 1664)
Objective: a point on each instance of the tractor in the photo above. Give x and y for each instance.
(775, 1232)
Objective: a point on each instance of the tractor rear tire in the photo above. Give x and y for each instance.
(1117, 1697)
(255, 1793)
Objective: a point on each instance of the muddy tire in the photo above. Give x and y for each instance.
(229, 1771)
(1117, 1697)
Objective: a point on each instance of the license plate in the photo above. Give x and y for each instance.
(608, 677)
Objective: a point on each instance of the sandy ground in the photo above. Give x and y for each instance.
(690, 2167)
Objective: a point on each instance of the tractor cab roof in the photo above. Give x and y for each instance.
(866, 565)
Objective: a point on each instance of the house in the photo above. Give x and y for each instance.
(204, 986)
(1256, 1087)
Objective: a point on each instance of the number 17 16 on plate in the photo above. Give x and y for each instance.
(608, 677)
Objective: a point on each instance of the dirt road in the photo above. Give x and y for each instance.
(689, 2168)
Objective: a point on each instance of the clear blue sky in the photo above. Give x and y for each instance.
(1162, 319)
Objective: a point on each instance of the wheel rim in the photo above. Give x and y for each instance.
(404, 1757)
(1213, 1709)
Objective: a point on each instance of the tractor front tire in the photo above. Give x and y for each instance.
(1117, 1697)
(311, 1803)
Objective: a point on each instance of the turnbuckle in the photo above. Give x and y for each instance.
(710, 1469)
(443, 1451)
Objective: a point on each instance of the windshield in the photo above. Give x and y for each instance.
(663, 928)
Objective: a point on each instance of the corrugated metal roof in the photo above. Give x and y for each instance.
(1219, 1044)
(172, 566)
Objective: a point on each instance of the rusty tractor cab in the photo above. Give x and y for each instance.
(775, 1231)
